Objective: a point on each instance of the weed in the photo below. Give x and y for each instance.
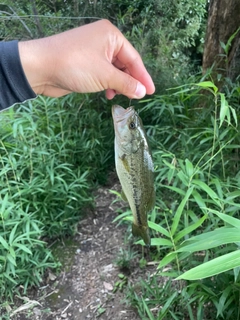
(124, 258)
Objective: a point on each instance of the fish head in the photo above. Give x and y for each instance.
(128, 128)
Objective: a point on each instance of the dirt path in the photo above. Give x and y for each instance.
(85, 287)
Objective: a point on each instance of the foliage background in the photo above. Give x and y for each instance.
(54, 152)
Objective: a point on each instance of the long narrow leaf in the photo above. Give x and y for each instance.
(180, 211)
(212, 194)
(221, 264)
(158, 228)
(224, 109)
(189, 229)
(4, 243)
(230, 220)
(211, 239)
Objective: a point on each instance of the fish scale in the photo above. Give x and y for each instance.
(134, 167)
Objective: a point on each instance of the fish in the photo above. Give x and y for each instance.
(134, 167)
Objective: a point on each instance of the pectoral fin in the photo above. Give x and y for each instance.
(124, 196)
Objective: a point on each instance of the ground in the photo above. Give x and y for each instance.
(89, 285)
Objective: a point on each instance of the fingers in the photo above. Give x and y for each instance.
(123, 83)
(132, 62)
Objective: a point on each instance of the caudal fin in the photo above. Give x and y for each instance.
(142, 231)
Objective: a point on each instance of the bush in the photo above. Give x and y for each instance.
(53, 152)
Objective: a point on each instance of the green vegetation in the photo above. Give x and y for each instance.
(195, 224)
(52, 155)
(54, 152)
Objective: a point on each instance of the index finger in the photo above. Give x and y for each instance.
(130, 58)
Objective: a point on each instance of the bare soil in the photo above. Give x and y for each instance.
(86, 287)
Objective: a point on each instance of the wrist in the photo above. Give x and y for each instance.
(35, 63)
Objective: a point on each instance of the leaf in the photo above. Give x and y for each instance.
(180, 210)
(212, 194)
(149, 313)
(11, 259)
(160, 242)
(165, 308)
(207, 84)
(167, 259)
(158, 228)
(189, 229)
(4, 243)
(157, 242)
(189, 168)
(222, 300)
(224, 109)
(230, 220)
(234, 115)
(198, 198)
(22, 247)
(218, 265)
(211, 239)
(12, 234)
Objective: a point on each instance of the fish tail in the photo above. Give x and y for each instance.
(141, 231)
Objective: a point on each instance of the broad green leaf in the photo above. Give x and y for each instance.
(211, 239)
(213, 267)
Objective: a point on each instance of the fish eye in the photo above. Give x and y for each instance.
(132, 125)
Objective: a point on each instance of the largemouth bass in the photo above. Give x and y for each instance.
(134, 167)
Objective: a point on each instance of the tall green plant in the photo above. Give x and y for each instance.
(52, 153)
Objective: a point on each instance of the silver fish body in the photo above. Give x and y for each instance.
(134, 167)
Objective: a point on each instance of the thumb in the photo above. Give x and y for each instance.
(125, 84)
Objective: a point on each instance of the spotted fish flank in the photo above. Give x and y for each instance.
(134, 167)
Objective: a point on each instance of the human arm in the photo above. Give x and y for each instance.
(90, 58)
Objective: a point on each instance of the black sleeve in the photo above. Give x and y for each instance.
(14, 86)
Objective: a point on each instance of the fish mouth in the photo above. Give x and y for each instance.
(120, 114)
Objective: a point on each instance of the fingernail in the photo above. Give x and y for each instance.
(140, 91)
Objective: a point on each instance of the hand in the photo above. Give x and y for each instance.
(90, 58)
